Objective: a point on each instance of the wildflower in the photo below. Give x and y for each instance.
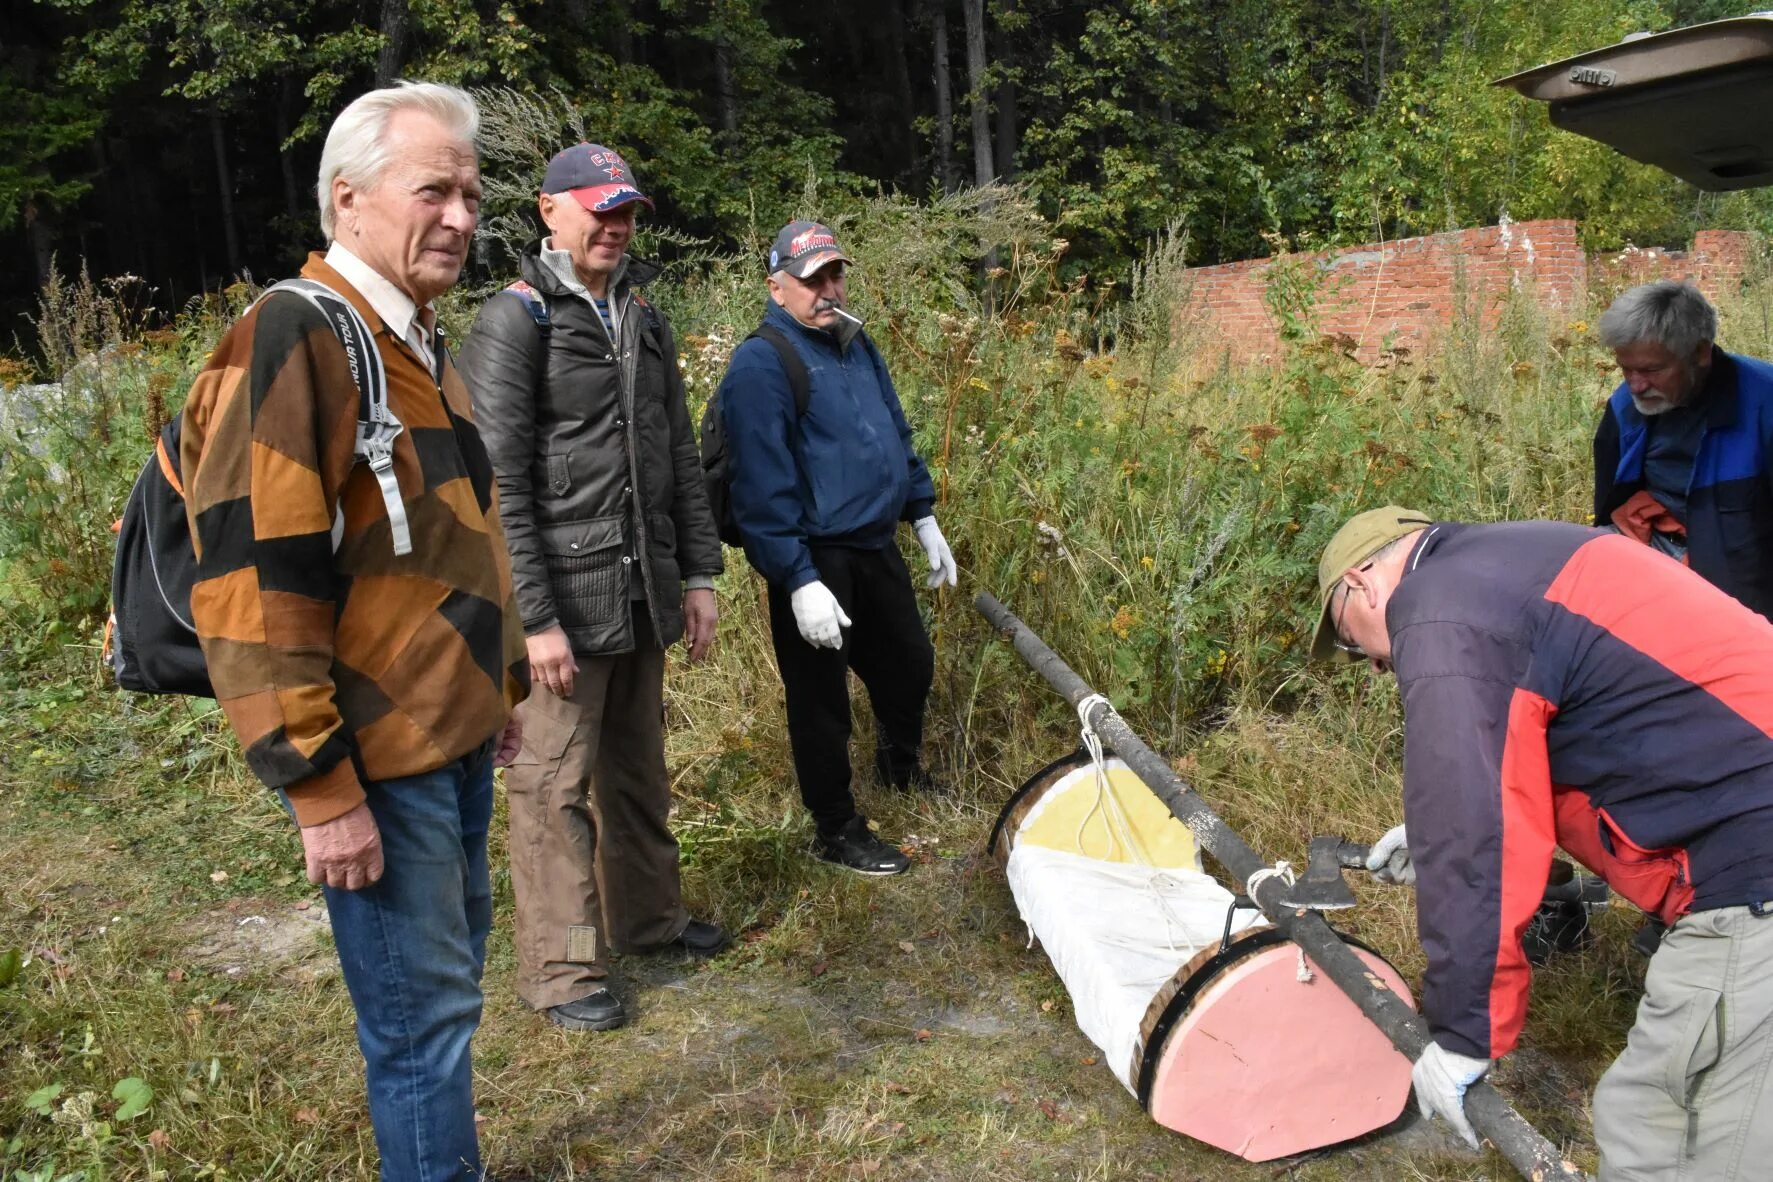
(1123, 622)
(1578, 327)
(1216, 665)
(1148, 561)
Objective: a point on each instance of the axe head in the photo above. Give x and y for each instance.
(1321, 888)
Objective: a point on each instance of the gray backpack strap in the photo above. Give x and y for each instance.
(377, 427)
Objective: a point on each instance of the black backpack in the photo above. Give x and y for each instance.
(151, 642)
(716, 464)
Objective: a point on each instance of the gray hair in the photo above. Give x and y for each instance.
(1673, 315)
(356, 147)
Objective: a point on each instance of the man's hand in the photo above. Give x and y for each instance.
(1441, 1078)
(935, 548)
(551, 661)
(510, 742)
(345, 852)
(818, 615)
(699, 617)
(1389, 859)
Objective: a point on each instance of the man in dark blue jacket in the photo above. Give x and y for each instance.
(1564, 686)
(818, 497)
(1683, 452)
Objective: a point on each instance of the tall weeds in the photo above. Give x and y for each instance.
(1153, 511)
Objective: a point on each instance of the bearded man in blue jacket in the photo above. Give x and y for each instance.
(1683, 454)
(817, 495)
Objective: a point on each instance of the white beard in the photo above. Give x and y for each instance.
(1650, 407)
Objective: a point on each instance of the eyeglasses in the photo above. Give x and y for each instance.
(1353, 650)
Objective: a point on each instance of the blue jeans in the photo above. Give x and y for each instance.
(412, 947)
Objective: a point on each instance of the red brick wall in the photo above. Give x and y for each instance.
(1714, 264)
(1404, 293)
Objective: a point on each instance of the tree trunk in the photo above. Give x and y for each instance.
(727, 90)
(225, 186)
(944, 102)
(42, 238)
(1008, 135)
(984, 171)
(620, 18)
(901, 71)
(292, 190)
(396, 39)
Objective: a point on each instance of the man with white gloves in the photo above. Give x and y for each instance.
(820, 476)
(1564, 686)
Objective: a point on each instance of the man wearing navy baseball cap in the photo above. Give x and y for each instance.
(613, 556)
(821, 470)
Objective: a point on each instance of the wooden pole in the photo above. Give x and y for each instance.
(1489, 1112)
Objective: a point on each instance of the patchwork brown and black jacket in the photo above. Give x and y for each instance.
(337, 668)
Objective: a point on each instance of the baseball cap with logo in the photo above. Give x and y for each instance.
(1361, 537)
(803, 247)
(596, 177)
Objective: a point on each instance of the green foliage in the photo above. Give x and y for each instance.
(133, 1096)
(70, 448)
(37, 145)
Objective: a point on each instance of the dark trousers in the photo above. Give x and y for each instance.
(889, 650)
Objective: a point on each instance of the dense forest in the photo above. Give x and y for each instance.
(177, 140)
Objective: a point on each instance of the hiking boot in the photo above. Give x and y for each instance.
(914, 777)
(700, 940)
(856, 847)
(598, 1010)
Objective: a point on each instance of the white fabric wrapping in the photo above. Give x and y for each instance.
(1116, 933)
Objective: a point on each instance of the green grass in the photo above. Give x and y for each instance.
(1156, 516)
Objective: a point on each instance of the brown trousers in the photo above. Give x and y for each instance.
(593, 861)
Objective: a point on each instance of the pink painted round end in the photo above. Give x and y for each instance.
(1264, 1065)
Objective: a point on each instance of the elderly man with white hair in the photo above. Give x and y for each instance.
(357, 619)
(1683, 449)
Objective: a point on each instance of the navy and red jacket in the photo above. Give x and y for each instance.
(1730, 496)
(1565, 686)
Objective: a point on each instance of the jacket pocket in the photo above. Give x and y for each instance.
(557, 471)
(1656, 880)
(586, 570)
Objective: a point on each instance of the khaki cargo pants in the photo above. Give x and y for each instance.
(593, 861)
(1688, 1099)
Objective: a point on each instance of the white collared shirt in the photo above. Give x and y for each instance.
(403, 318)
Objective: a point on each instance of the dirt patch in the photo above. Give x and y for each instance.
(249, 935)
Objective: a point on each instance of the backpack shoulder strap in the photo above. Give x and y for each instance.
(799, 381)
(536, 304)
(377, 426)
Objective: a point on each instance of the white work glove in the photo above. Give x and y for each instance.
(1389, 859)
(1441, 1078)
(817, 614)
(935, 548)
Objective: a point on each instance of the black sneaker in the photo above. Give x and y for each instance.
(598, 1010)
(856, 847)
(1556, 927)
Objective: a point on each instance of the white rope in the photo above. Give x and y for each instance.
(1104, 794)
(1117, 826)
(1282, 870)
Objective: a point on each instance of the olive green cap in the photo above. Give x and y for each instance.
(1361, 537)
